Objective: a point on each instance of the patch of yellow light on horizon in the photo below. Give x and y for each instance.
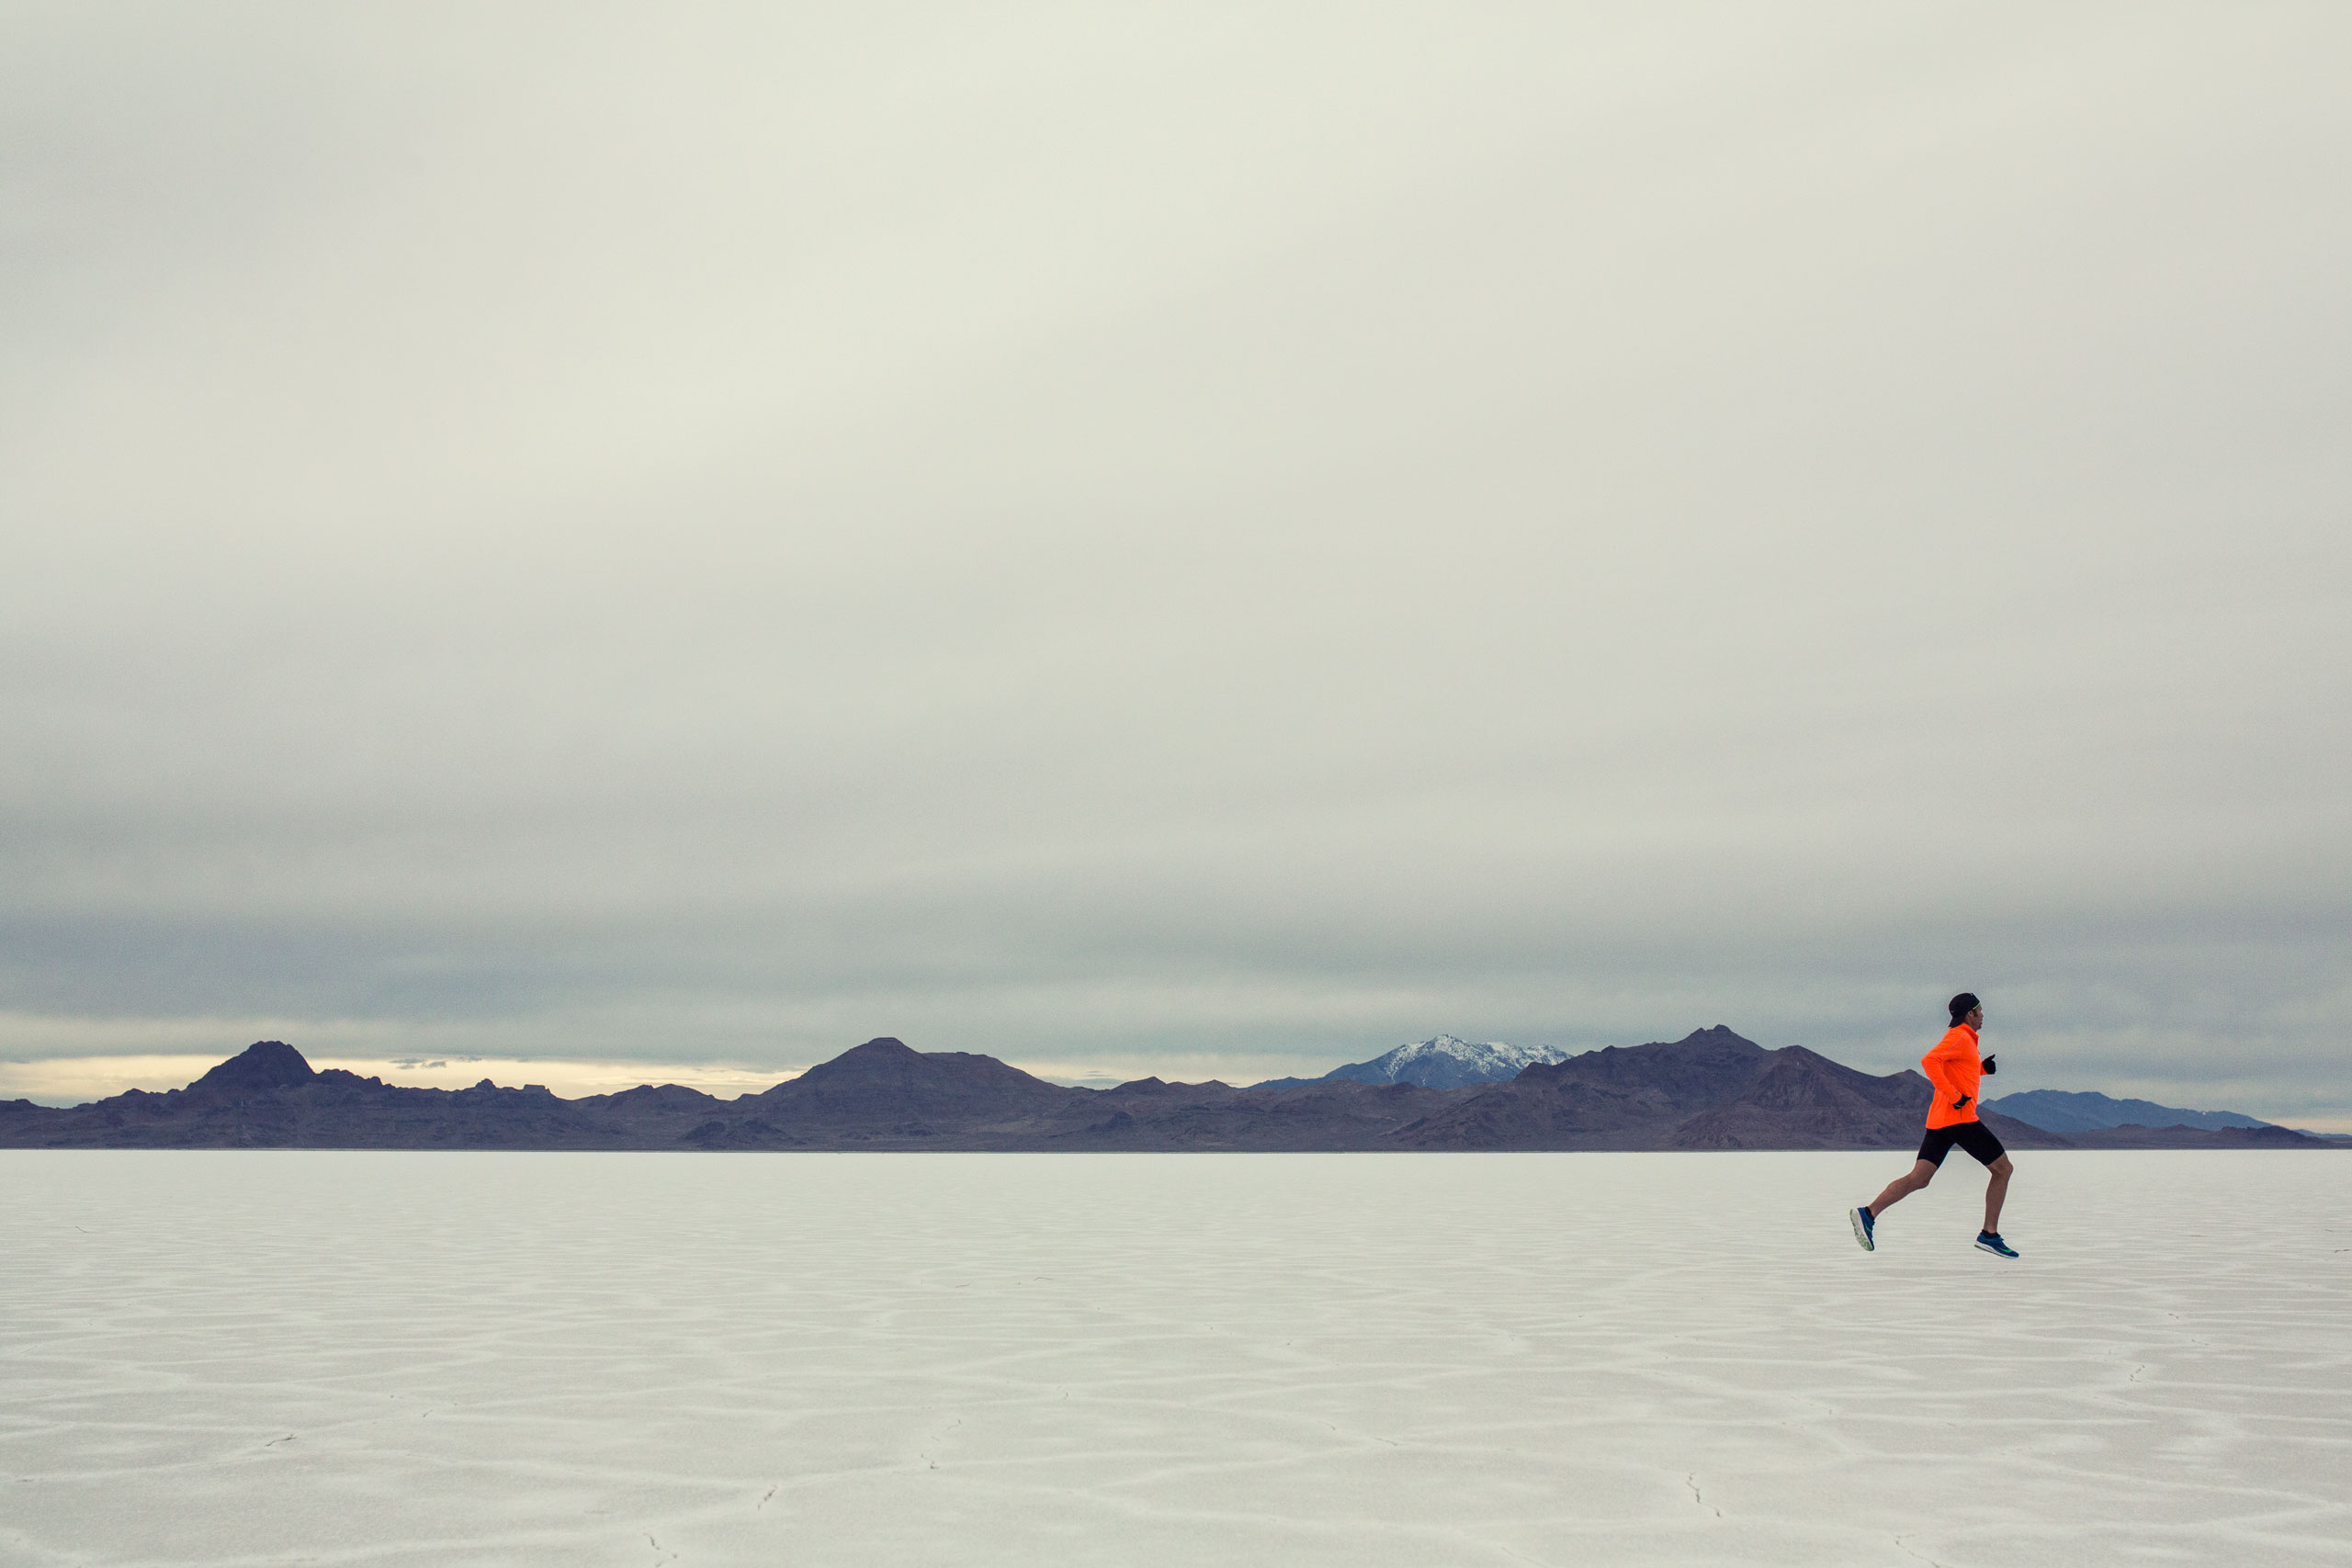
(81, 1079)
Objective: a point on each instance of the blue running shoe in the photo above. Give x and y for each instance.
(1990, 1241)
(1863, 1228)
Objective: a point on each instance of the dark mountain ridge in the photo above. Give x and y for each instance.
(1712, 1089)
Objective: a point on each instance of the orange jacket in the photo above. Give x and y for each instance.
(1952, 1067)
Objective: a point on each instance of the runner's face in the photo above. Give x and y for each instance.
(1975, 1020)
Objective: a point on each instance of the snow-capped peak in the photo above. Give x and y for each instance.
(1449, 1062)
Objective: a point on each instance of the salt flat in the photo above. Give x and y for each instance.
(402, 1358)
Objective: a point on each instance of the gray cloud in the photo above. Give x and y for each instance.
(1182, 536)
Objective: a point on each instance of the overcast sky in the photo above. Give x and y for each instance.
(1197, 541)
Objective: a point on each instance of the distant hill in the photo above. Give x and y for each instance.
(1443, 1063)
(2060, 1110)
(1710, 1089)
(2131, 1135)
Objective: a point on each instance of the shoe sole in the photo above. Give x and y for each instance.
(1862, 1232)
(1993, 1250)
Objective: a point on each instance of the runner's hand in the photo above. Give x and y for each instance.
(1989, 1069)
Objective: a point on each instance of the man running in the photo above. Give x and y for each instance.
(1954, 1067)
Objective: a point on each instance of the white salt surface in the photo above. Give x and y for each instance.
(442, 1359)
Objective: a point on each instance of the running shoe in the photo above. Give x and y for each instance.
(1990, 1241)
(1863, 1227)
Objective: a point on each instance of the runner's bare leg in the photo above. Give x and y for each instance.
(1995, 1191)
(1902, 1187)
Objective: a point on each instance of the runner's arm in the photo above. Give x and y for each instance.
(1951, 1068)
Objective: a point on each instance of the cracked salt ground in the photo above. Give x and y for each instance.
(222, 1358)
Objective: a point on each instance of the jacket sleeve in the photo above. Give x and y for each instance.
(1951, 1066)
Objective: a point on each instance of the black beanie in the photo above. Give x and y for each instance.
(1962, 1005)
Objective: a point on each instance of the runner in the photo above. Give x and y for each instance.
(1954, 1067)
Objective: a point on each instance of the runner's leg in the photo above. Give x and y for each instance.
(1902, 1187)
(1995, 1191)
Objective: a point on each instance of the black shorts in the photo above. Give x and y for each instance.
(1974, 1136)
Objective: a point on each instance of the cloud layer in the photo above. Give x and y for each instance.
(1178, 537)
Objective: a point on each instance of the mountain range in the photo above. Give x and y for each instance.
(1712, 1089)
